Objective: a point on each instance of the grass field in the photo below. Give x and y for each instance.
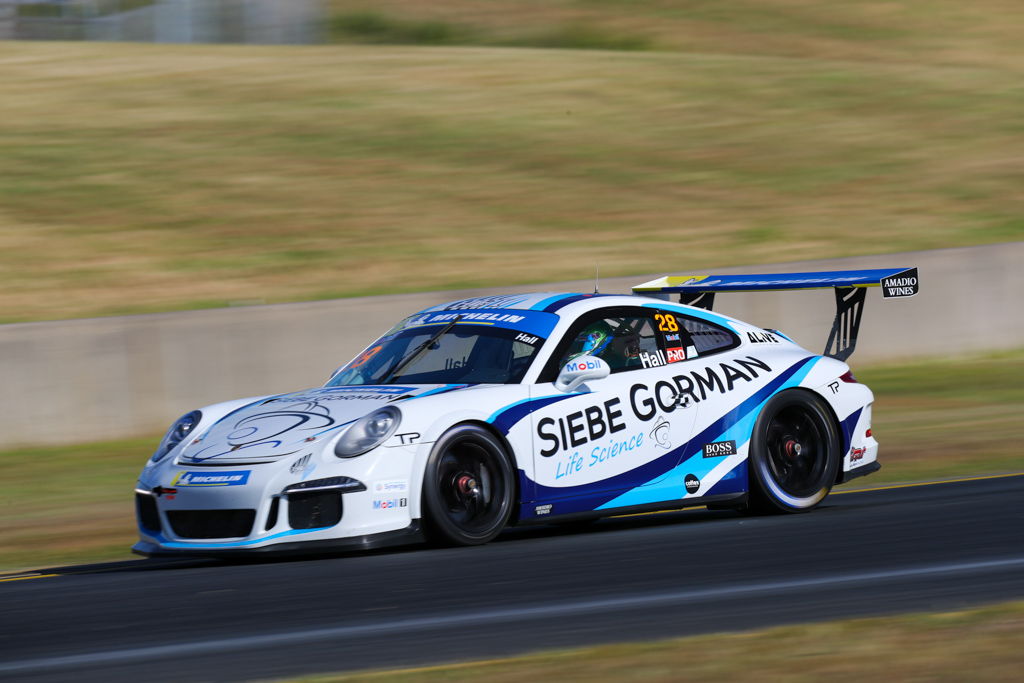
(140, 178)
(980, 33)
(72, 505)
(982, 644)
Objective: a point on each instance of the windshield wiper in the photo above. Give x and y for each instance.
(403, 362)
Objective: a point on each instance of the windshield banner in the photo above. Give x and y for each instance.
(531, 322)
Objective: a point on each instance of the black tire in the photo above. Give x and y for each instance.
(468, 487)
(794, 453)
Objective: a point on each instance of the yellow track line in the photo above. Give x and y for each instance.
(658, 512)
(931, 483)
(437, 667)
(24, 577)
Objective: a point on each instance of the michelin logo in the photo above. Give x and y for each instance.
(211, 479)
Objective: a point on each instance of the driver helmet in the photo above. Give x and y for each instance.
(592, 340)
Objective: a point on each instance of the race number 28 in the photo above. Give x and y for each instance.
(666, 322)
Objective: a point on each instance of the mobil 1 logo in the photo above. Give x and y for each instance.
(900, 285)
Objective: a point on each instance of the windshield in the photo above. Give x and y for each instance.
(464, 354)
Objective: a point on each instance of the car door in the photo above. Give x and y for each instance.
(615, 435)
(723, 379)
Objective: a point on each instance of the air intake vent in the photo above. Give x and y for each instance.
(314, 510)
(211, 523)
(272, 515)
(145, 510)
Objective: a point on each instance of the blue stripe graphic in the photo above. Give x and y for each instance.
(694, 462)
(601, 494)
(544, 303)
(566, 300)
(508, 417)
(848, 425)
(162, 540)
(439, 390)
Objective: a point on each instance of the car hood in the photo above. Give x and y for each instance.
(272, 428)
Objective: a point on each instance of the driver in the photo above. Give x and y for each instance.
(591, 341)
(598, 339)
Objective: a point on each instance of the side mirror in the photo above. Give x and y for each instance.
(580, 370)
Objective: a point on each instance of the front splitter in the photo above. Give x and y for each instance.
(408, 535)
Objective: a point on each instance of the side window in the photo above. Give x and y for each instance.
(674, 336)
(521, 350)
(708, 338)
(623, 338)
(522, 354)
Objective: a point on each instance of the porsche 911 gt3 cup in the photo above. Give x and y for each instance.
(475, 415)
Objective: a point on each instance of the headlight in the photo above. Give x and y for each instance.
(368, 432)
(176, 434)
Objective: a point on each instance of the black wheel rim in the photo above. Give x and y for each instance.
(472, 487)
(797, 446)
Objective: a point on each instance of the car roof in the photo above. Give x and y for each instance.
(555, 302)
(560, 308)
(548, 302)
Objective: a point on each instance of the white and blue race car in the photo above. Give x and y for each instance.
(475, 415)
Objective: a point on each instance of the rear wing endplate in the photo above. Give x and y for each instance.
(850, 289)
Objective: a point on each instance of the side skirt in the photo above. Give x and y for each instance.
(718, 502)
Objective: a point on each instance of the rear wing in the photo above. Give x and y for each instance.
(850, 289)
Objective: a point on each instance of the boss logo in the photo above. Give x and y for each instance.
(719, 448)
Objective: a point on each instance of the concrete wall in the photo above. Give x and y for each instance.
(105, 378)
(170, 21)
(8, 16)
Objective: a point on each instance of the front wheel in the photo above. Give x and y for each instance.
(468, 487)
(794, 453)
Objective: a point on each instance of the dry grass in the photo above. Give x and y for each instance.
(984, 32)
(139, 178)
(937, 418)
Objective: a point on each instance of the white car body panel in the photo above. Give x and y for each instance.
(669, 433)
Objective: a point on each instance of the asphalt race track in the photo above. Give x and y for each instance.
(925, 547)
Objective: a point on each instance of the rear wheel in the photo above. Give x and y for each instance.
(468, 487)
(794, 453)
